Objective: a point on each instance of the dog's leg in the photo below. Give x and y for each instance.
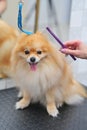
(51, 105)
(76, 95)
(59, 104)
(24, 102)
(20, 94)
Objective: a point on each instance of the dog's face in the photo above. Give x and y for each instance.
(33, 49)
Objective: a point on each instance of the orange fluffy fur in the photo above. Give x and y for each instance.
(8, 37)
(39, 69)
(42, 74)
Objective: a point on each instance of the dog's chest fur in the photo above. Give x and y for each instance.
(37, 82)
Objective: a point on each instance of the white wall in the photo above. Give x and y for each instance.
(10, 14)
(78, 30)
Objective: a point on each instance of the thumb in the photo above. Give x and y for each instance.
(68, 51)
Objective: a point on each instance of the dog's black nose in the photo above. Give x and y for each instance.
(32, 59)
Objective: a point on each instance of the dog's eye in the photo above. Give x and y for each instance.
(26, 52)
(39, 52)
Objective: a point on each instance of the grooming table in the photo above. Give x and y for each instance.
(35, 117)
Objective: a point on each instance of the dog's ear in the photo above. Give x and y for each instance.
(38, 33)
(23, 35)
(41, 36)
(21, 38)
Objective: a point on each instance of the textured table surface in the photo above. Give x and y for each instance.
(35, 116)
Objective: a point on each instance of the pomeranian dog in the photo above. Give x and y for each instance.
(39, 69)
(8, 37)
(43, 75)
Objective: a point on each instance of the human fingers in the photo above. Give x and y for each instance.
(71, 52)
(71, 44)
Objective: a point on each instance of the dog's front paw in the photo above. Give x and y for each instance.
(20, 94)
(59, 104)
(52, 111)
(22, 104)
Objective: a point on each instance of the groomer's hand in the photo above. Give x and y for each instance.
(3, 5)
(76, 48)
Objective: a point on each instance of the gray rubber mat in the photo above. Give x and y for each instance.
(35, 116)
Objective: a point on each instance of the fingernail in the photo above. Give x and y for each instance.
(62, 50)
